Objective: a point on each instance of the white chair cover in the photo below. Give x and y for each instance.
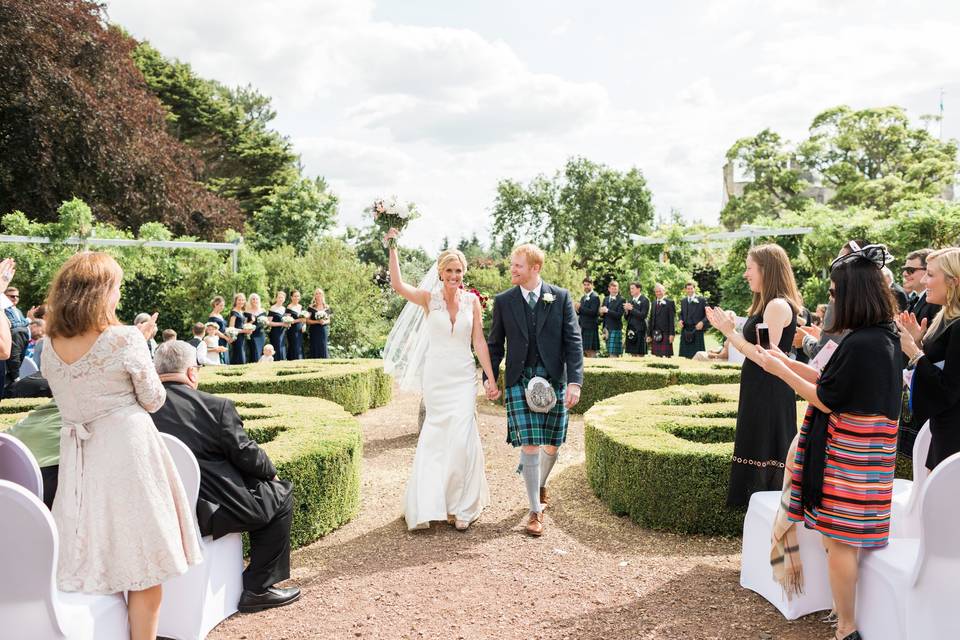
(208, 593)
(905, 510)
(756, 573)
(18, 465)
(31, 608)
(27, 367)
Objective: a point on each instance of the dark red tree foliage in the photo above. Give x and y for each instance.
(77, 119)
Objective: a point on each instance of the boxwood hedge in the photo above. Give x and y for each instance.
(663, 457)
(356, 385)
(314, 444)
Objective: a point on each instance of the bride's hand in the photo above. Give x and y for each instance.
(392, 234)
(493, 391)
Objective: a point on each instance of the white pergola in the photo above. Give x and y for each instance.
(746, 231)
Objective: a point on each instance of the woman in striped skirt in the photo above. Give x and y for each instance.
(843, 476)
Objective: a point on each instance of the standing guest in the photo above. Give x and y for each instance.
(7, 269)
(217, 305)
(295, 332)
(239, 488)
(197, 342)
(767, 414)
(819, 315)
(693, 322)
(935, 357)
(145, 322)
(278, 328)
(637, 308)
(257, 339)
(914, 273)
(318, 323)
(124, 519)
(663, 323)
(18, 322)
(841, 483)
(612, 312)
(588, 310)
(168, 335)
(235, 321)
(814, 337)
(899, 295)
(212, 339)
(268, 352)
(35, 347)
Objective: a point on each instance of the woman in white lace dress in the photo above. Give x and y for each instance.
(122, 515)
(447, 480)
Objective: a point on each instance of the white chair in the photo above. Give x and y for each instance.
(909, 589)
(905, 509)
(756, 573)
(27, 367)
(197, 601)
(18, 465)
(31, 608)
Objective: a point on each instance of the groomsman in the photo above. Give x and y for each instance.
(612, 312)
(693, 322)
(588, 310)
(637, 308)
(663, 323)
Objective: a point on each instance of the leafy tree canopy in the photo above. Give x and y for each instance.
(296, 214)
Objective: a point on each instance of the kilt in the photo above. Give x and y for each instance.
(664, 348)
(689, 349)
(525, 427)
(638, 346)
(591, 339)
(615, 342)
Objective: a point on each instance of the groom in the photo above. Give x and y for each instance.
(542, 336)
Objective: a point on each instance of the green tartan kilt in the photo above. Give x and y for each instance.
(525, 427)
(615, 342)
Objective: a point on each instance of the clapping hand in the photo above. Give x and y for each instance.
(907, 322)
(813, 331)
(908, 343)
(149, 327)
(721, 321)
(493, 391)
(603, 310)
(773, 361)
(628, 307)
(8, 267)
(699, 326)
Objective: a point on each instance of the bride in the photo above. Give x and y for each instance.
(429, 349)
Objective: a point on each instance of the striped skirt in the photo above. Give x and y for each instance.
(857, 480)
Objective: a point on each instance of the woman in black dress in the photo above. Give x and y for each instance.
(257, 339)
(278, 327)
(295, 332)
(767, 413)
(935, 386)
(217, 305)
(235, 325)
(318, 324)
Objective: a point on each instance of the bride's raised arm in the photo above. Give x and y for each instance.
(411, 293)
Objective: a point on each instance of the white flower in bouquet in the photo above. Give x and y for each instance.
(232, 332)
(321, 315)
(287, 319)
(249, 326)
(391, 213)
(303, 314)
(263, 321)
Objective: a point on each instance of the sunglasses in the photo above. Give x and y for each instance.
(875, 253)
(911, 270)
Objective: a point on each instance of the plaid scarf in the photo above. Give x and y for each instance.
(785, 550)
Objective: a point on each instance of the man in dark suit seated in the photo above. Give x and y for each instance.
(239, 489)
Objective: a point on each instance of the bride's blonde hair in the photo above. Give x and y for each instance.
(448, 256)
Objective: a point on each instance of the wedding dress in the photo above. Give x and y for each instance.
(447, 477)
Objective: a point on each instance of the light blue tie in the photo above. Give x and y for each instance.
(532, 299)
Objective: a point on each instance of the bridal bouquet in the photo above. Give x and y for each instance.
(249, 326)
(287, 319)
(389, 212)
(232, 332)
(263, 321)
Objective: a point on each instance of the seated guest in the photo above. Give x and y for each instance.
(612, 312)
(239, 488)
(39, 430)
(168, 335)
(935, 385)
(588, 312)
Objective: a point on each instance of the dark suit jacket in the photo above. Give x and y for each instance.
(900, 296)
(589, 312)
(663, 317)
(558, 335)
(237, 489)
(613, 318)
(637, 319)
(923, 309)
(691, 314)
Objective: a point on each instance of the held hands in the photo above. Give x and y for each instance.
(721, 321)
(493, 391)
(572, 396)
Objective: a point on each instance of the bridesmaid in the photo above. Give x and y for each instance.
(258, 337)
(319, 327)
(238, 348)
(295, 333)
(216, 316)
(278, 328)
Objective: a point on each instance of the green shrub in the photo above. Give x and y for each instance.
(662, 457)
(356, 385)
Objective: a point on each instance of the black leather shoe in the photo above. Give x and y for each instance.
(251, 602)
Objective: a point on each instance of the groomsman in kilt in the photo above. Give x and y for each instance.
(612, 312)
(637, 308)
(535, 324)
(589, 311)
(663, 323)
(693, 322)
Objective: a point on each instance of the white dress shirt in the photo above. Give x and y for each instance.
(536, 292)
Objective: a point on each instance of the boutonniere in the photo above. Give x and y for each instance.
(548, 298)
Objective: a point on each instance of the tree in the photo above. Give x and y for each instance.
(589, 208)
(77, 120)
(296, 214)
(243, 158)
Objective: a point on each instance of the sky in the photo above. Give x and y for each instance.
(436, 101)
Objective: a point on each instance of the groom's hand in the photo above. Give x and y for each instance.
(572, 396)
(493, 391)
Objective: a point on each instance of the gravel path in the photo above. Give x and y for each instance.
(592, 575)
